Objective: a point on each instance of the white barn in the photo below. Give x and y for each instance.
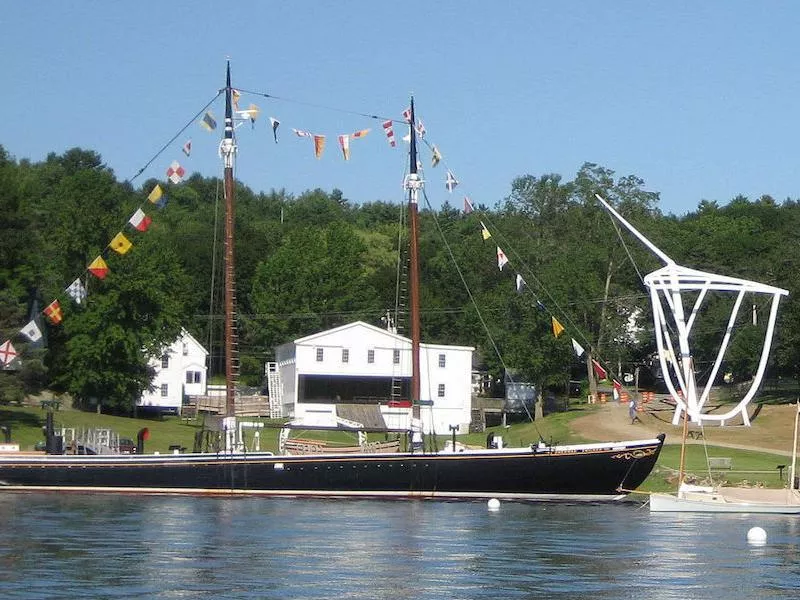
(181, 371)
(325, 375)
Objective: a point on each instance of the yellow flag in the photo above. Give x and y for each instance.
(558, 328)
(120, 243)
(485, 232)
(156, 194)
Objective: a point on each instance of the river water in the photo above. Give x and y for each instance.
(107, 546)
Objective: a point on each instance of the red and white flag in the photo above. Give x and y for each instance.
(187, 147)
(7, 353)
(301, 133)
(387, 128)
(598, 370)
(344, 143)
(140, 220)
(407, 114)
(175, 172)
(468, 208)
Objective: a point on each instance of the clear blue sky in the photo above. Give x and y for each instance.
(697, 98)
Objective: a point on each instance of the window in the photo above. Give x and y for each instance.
(193, 376)
(370, 356)
(396, 357)
(185, 349)
(164, 390)
(442, 361)
(320, 352)
(440, 391)
(165, 361)
(345, 355)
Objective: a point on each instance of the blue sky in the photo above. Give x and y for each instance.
(697, 98)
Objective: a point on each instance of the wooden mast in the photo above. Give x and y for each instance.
(227, 152)
(413, 184)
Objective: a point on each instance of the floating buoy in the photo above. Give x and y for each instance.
(493, 504)
(756, 535)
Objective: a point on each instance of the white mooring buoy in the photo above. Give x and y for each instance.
(757, 536)
(493, 504)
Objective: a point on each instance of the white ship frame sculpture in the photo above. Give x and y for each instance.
(673, 327)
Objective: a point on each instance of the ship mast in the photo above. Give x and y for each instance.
(227, 150)
(413, 184)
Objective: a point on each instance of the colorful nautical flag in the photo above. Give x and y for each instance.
(139, 220)
(451, 182)
(558, 328)
(98, 268)
(208, 121)
(421, 131)
(32, 331)
(275, 124)
(407, 114)
(53, 312)
(521, 283)
(7, 353)
(485, 232)
(617, 389)
(387, 129)
(235, 95)
(77, 291)
(502, 260)
(120, 243)
(468, 208)
(598, 370)
(360, 133)
(187, 147)
(301, 133)
(436, 156)
(319, 145)
(175, 172)
(577, 348)
(252, 113)
(344, 143)
(157, 196)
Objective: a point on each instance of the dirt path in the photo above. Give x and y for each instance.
(772, 431)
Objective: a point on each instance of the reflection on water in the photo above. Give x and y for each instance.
(106, 546)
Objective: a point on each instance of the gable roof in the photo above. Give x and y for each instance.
(353, 325)
(395, 337)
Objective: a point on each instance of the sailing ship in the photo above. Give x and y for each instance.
(598, 471)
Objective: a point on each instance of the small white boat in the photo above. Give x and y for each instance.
(694, 498)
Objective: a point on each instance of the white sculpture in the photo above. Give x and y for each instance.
(666, 286)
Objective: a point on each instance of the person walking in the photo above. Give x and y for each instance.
(633, 412)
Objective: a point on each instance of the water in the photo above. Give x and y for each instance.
(107, 546)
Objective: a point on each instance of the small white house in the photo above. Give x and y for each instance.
(179, 372)
(325, 375)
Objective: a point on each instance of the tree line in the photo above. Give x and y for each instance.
(317, 260)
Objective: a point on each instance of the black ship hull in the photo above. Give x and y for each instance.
(579, 472)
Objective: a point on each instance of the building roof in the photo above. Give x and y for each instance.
(309, 339)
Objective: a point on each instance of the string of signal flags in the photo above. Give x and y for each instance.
(157, 198)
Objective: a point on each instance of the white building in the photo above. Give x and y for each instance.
(179, 372)
(327, 374)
